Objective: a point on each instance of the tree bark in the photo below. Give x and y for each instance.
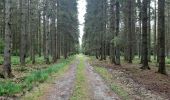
(7, 72)
(117, 32)
(112, 29)
(155, 31)
(54, 54)
(144, 35)
(130, 30)
(149, 31)
(23, 32)
(47, 41)
(40, 34)
(44, 28)
(161, 32)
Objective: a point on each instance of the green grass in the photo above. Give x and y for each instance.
(9, 88)
(114, 86)
(80, 90)
(42, 88)
(137, 60)
(15, 60)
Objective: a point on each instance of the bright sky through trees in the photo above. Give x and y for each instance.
(82, 11)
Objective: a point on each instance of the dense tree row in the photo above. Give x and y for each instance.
(128, 28)
(30, 28)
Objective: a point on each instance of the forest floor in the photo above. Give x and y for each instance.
(139, 84)
(86, 78)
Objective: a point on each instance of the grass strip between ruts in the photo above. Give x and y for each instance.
(81, 87)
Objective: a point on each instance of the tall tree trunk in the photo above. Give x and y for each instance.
(155, 31)
(161, 32)
(47, 41)
(149, 31)
(104, 28)
(33, 28)
(54, 40)
(54, 54)
(44, 28)
(40, 34)
(7, 72)
(168, 35)
(23, 32)
(65, 38)
(58, 45)
(58, 31)
(144, 35)
(112, 29)
(130, 30)
(126, 33)
(140, 28)
(29, 29)
(117, 32)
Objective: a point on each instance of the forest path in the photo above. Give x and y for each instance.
(65, 88)
(62, 88)
(99, 89)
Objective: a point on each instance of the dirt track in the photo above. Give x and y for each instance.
(62, 89)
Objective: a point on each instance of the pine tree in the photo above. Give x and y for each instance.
(161, 36)
(144, 35)
(8, 34)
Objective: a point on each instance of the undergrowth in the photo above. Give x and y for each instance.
(15, 60)
(10, 88)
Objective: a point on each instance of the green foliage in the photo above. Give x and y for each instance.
(117, 41)
(42, 75)
(14, 60)
(10, 88)
(167, 61)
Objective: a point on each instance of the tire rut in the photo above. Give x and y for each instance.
(99, 89)
(63, 87)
